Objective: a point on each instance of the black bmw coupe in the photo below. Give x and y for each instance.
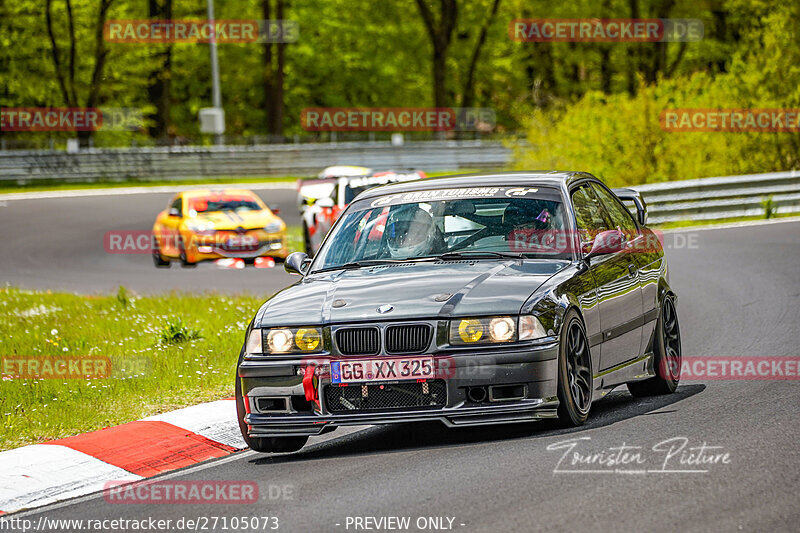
(471, 300)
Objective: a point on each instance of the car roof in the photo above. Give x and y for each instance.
(553, 178)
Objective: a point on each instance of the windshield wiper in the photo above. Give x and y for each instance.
(478, 254)
(359, 264)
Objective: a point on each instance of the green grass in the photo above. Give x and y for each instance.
(179, 350)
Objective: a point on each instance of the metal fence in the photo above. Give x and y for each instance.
(724, 197)
(240, 161)
(697, 199)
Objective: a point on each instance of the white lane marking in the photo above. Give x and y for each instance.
(40, 474)
(731, 225)
(213, 420)
(121, 191)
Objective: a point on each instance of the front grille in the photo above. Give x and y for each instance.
(432, 393)
(408, 339)
(358, 341)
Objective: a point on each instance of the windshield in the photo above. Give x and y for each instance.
(391, 229)
(226, 202)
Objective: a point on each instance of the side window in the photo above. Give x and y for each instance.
(620, 216)
(589, 213)
(177, 204)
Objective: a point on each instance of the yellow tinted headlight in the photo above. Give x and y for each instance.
(470, 330)
(307, 339)
(488, 330)
(294, 340)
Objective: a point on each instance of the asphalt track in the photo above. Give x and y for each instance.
(739, 295)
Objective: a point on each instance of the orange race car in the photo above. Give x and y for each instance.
(207, 224)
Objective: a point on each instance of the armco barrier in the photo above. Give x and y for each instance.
(723, 197)
(239, 161)
(697, 199)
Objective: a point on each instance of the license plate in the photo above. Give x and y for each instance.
(382, 369)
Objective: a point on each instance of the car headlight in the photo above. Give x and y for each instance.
(483, 330)
(272, 227)
(530, 328)
(285, 340)
(200, 227)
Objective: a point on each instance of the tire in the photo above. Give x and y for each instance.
(575, 383)
(185, 263)
(667, 351)
(263, 444)
(158, 259)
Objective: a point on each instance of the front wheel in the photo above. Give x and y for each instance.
(158, 259)
(667, 351)
(264, 444)
(574, 373)
(185, 263)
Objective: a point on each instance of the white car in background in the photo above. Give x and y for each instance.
(311, 190)
(319, 216)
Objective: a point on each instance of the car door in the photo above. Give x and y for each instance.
(647, 264)
(615, 275)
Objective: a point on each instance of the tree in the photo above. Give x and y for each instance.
(273, 73)
(158, 90)
(441, 34)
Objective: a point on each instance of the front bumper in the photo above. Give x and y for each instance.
(534, 370)
(255, 243)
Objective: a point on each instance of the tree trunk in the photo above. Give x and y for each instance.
(441, 34)
(273, 75)
(158, 90)
(468, 93)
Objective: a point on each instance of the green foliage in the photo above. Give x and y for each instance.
(769, 207)
(122, 296)
(175, 332)
(619, 137)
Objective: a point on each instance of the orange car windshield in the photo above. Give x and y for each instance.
(223, 202)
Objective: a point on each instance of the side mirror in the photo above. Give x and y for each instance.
(297, 263)
(274, 208)
(641, 210)
(325, 202)
(173, 212)
(607, 242)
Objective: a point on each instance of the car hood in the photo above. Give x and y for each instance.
(413, 290)
(231, 220)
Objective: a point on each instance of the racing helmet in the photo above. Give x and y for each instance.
(410, 232)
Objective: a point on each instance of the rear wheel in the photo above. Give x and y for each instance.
(574, 373)
(667, 351)
(264, 444)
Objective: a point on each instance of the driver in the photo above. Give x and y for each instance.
(410, 232)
